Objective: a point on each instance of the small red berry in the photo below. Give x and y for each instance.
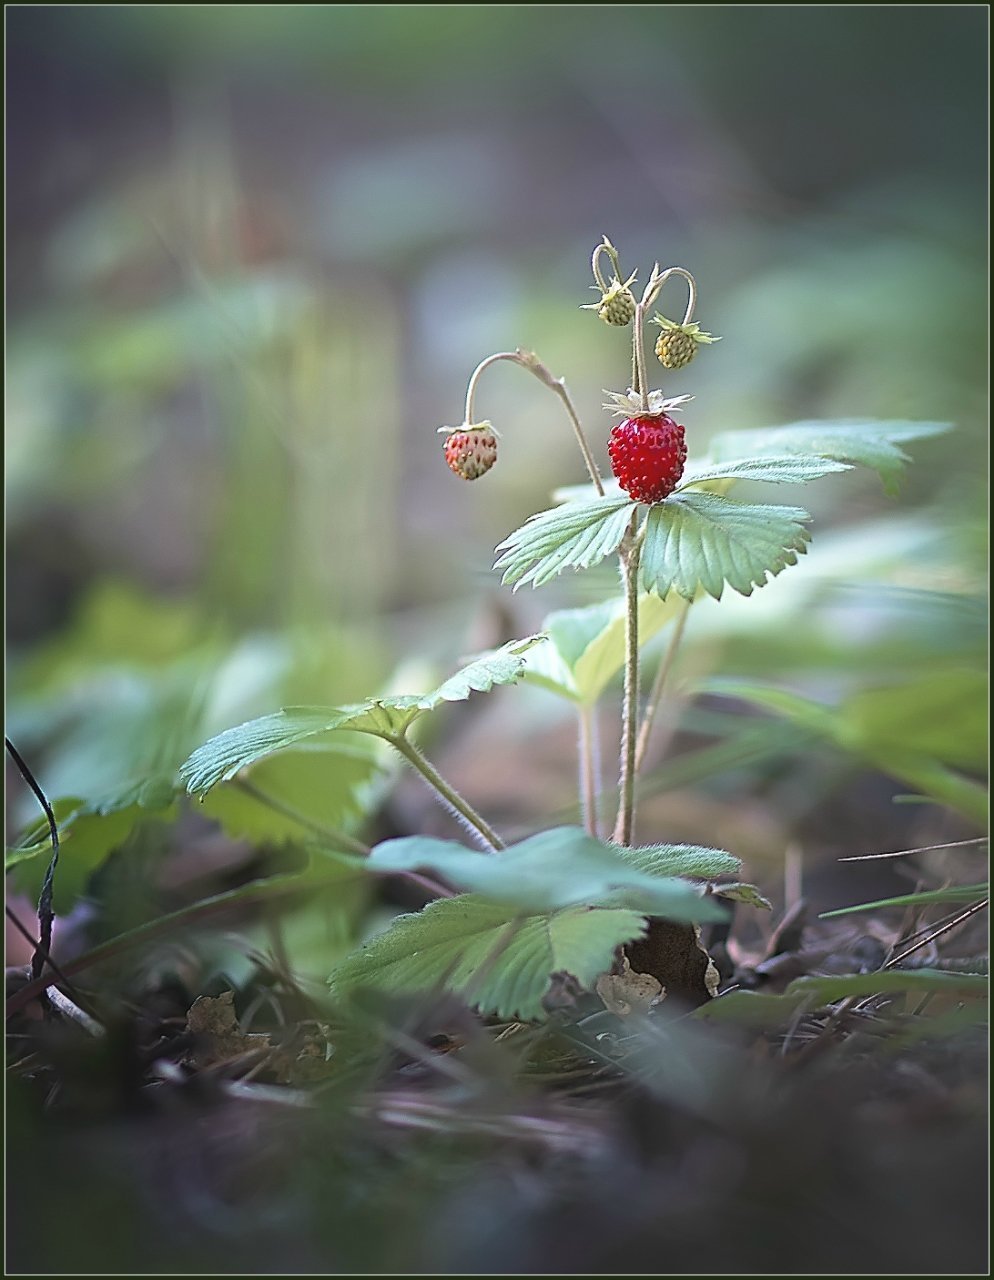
(647, 456)
(471, 452)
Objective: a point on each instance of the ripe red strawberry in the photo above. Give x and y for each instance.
(471, 451)
(647, 456)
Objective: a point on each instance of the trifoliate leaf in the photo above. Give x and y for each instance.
(560, 868)
(224, 755)
(701, 540)
(574, 536)
(871, 444)
(782, 470)
(479, 950)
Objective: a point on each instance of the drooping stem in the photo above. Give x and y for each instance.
(651, 292)
(528, 360)
(658, 685)
(417, 759)
(605, 247)
(589, 766)
(658, 279)
(623, 827)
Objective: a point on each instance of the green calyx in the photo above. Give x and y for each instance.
(692, 330)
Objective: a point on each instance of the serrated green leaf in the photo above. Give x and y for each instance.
(560, 868)
(953, 893)
(479, 950)
(786, 469)
(574, 536)
(700, 540)
(871, 444)
(226, 754)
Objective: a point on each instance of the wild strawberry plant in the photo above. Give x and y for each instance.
(509, 921)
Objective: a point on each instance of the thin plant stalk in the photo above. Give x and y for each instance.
(589, 766)
(659, 684)
(528, 360)
(417, 759)
(624, 825)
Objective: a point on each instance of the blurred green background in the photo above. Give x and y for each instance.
(254, 254)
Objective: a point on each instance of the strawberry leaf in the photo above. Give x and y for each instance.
(868, 444)
(574, 536)
(500, 963)
(771, 470)
(701, 540)
(226, 754)
(560, 868)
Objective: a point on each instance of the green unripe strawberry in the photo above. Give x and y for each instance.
(677, 344)
(617, 306)
(617, 302)
(674, 349)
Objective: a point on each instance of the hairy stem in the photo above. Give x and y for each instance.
(589, 766)
(528, 360)
(623, 827)
(658, 685)
(416, 758)
(638, 355)
(659, 279)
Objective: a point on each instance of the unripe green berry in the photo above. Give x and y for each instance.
(617, 306)
(674, 349)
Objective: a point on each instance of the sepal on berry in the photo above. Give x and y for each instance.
(617, 303)
(629, 404)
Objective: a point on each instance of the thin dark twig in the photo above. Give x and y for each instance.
(904, 938)
(46, 916)
(925, 848)
(32, 942)
(964, 915)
